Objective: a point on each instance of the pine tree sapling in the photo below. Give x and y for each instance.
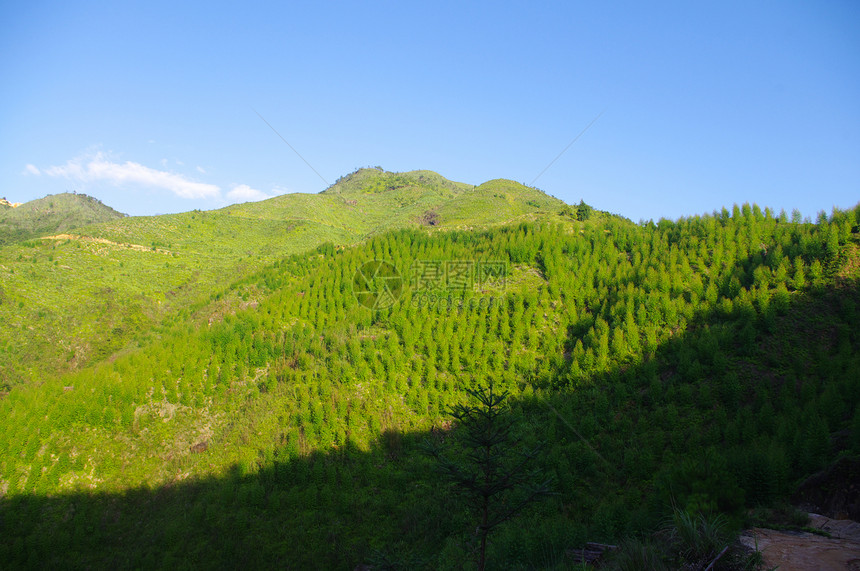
(492, 475)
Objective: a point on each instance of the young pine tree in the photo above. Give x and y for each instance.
(492, 476)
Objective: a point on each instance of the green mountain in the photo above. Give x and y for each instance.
(74, 299)
(51, 215)
(370, 201)
(271, 394)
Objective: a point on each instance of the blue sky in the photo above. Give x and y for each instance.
(152, 106)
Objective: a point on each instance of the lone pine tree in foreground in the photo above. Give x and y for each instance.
(492, 475)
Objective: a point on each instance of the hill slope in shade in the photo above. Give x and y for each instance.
(52, 214)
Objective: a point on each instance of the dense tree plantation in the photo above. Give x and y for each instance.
(707, 365)
(68, 301)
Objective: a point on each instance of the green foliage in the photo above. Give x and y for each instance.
(150, 269)
(583, 211)
(781, 516)
(229, 379)
(696, 537)
(52, 214)
(637, 554)
(494, 477)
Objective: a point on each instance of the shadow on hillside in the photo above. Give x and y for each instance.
(620, 447)
(325, 510)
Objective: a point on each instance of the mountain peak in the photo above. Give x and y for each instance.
(376, 180)
(53, 213)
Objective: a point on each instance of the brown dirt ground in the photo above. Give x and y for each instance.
(802, 551)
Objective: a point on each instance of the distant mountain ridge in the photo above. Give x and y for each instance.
(54, 213)
(360, 204)
(369, 201)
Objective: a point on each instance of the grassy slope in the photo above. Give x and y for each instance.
(78, 299)
(369, 201)
(497, 201)
(52, 214)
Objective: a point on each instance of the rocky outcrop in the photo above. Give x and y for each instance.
(834, 492)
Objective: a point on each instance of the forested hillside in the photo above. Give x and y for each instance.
(76, 297)
(707, 364)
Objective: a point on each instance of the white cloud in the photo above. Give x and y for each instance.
(31, 169)
(201, 170)
(99, 168)
(244, 193)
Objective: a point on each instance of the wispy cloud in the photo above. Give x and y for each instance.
(201, 170)
(99, 167)
(244, 193)
(31, 169)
